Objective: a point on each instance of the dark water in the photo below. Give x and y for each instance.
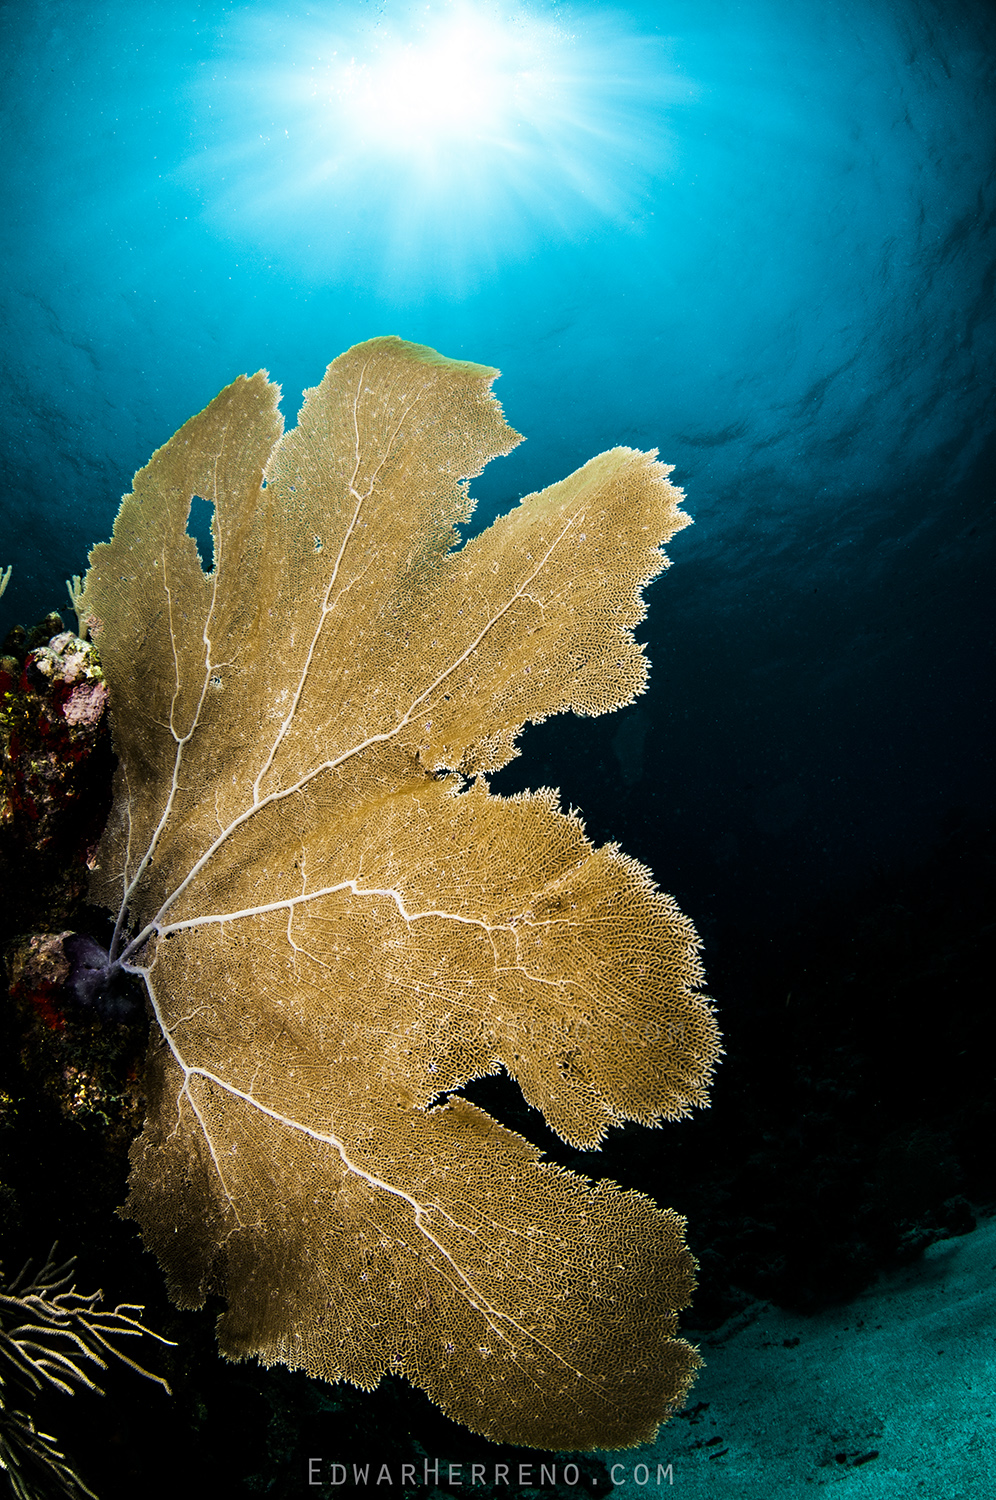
(760, 239)
(789, 293)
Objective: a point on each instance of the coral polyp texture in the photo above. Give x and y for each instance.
(338, 924)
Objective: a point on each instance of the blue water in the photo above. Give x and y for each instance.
(756, 236)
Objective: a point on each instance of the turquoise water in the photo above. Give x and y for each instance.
(756, 237)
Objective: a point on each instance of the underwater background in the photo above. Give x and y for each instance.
(756, 236)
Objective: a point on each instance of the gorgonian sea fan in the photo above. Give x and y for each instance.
(338, 924)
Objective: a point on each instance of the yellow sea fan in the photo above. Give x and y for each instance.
(336, 929)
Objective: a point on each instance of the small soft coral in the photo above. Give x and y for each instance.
(55, 765)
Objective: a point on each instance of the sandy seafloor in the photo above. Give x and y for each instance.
(892, 1394)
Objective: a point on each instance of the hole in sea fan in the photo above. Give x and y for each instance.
(199, 519)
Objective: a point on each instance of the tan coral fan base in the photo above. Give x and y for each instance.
(338, 929)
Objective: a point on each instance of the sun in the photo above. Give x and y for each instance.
(466, 83)
(431, 138)
(455, 83)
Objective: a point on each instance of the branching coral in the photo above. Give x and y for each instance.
(47, 1331)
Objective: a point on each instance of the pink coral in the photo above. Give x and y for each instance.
(85, 703)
